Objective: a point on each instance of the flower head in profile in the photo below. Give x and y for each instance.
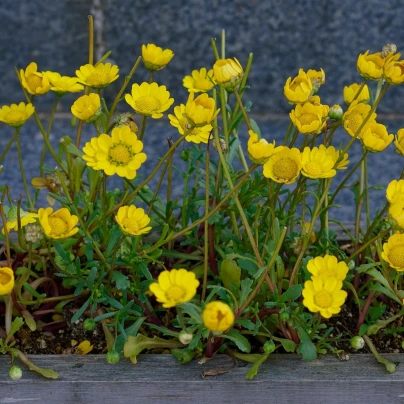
(393, 252)
(149, 99)
(228, 73)
(199, 81)
(370, 66)
(200, 111)
(351, 91)
(174, 287)
(63, 84)
(354, 117)
(327, 267)
(324, 296)
(6, 280)
(399, 142)
(16, 115)
(260, 150)
(335, 154)
(335, 112)
(309, 118)
(317, 163)
(12, 218)
(395, 191)
(118, 153)
(59, 224)
(155, 58)
(217, 316)
(317, 78)
(87, 108)
(396, 213)
(200, 134)
(84, 347)
(126, 119)
(376, 138)
(283, 166)
(98, 76)
(133, 220)
(299, 89)
(394, 70)
(34, 82)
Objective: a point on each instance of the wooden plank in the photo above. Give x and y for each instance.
(160, 379)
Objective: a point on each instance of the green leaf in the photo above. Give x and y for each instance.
(113, 236)
(230, 274)
(48, 373)
(183, 355)
(246, 289)
(15, 326)
(121, 280)
(248, 324)
(254, 369)
(255, 127)
(80, 311)
(306, 347)
(292, 293)
(240, 340)
(288, 345)
(72, 149)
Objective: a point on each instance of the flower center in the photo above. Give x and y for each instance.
(175, 293)
(148, 104)
(120, 154)
(323, 299)
(34, 82)
(396, 256)
(313, 168)
(58, 226)
(15, 116)
(131, 224)
(307, 119)
(285, 169)
(4, 278)
(354, 121)
(96, 79)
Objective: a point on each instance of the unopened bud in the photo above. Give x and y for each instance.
(112, 357)
(388, 49)
(184, 155)
(89, 324)
(351, 265)
(269, 347)
(15, 373)
(335, 112)
(284, 315)
(33, 233)
(222, 143)
(185, 337)
(357, 342)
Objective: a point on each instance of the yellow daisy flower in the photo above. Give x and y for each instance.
(370, 66)
(335, 154)
(317, 163)
(87, 108)
(395, 191)
(324, 296)
(201, 110)
(396, 212)
(399, 141)
(354, 117)
(12, 218)
(149, 99)
(200, 134)
(200, 80)
(260, 150)
(376, 138)
(228, 73)
(174, 287)
(284, 166)
(351, 91)
(217, 316)
(34, 82)
(63, 84)
(58, 225)
(119, 153)
(308, 118)
(97, 76)
(6, 281)
(394, 71)
(133, 220)
(155, 58)
(393, 252)
(299, 89)
(16, 115)
(327, 267)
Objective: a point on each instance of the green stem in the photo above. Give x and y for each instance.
(206, 227)
(24, 179)
(10, 142)
(360, 197)
(243, 111)
(142, 127)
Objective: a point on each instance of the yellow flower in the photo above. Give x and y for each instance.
(375, 138)
(324, 296)
(155, 58)
(335, 154)
(394, 71)
(133, 220)
(59, 224)
(200, 134)
(34, 82)
(217, 316)
(308, 118)
(395, 191)
(201, 110)
(87, 108)
(84, 347)
(119, 153)
(354, 117)
(149, 99)
(63, 84)
(6, 281)
(399, 141)
(228, 73)
(284, 166)
(199, 81)
(393, 252)
(351, 91)
(16, 115)
(174, 287)
(260, 150)
(316, 101)
(97, 76)
(370, 66)
(317, 163)
(299, 89)
(317, 78)
(327, 267)
(396, 212)
(12, 218)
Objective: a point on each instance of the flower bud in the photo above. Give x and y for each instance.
(89, 324)
(228, 73)
(15, 373)
(388, 49)
(112, 357)
(335, 112)
(357, 342)
(284, 315)
(269, 347)
(185, 337)
(351, 265)
(33, 233)
(184, 155)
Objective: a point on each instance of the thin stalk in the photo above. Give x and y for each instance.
(142, 127)
(24, 179)
(9, 144)
(90, 40)
(360, 196)
(206, 227)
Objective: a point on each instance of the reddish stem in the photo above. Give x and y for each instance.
(364, 311)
